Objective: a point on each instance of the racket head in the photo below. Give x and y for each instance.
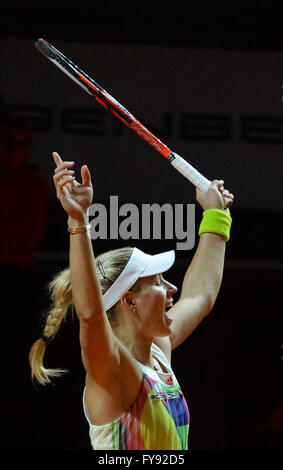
(64, 64)
(84, 80)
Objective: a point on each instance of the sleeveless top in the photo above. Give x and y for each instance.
(157, 420)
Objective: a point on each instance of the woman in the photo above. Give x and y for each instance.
(128, 323)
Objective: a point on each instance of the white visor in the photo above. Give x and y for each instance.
(139, 265)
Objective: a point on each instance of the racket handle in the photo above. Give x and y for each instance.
(189, 172)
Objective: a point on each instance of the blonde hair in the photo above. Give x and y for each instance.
(60, 291)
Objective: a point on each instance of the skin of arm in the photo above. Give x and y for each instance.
(203, 277)
(96, 337)
(87, 294)
(76, 199)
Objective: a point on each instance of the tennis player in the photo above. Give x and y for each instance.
(129, 323)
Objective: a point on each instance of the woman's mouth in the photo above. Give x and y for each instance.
(168, 306)
(166, 316)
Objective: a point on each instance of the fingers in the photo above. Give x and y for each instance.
(60, 165)
(63, 168)
(219, 184)
(63, 176)
(63, 181)
(226, 194)
(61, 173)
(215, 184)
(85, 174)
(57, 158)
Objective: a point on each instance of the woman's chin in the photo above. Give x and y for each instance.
(168, 322)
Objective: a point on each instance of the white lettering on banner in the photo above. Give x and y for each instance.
(221, 110)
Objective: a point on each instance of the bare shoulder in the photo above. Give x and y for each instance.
(110, 394)
(164, 344)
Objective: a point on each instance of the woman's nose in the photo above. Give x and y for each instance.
(171, 289)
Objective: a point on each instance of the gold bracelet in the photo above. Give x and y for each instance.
(82, 229)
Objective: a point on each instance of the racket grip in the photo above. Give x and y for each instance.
(194, 176)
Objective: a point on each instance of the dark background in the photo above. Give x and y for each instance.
(231, 366)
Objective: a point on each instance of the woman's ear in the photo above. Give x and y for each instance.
(127, 301)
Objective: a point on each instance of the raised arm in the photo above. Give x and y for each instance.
(97, 341)
(110, 369)
(203, 277)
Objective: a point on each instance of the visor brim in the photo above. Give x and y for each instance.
(159, 263)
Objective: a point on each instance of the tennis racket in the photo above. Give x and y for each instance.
(110, 103)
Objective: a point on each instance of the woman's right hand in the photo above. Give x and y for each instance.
(75, 197)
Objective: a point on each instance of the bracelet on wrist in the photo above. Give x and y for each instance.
(216, 221)
(82, 229)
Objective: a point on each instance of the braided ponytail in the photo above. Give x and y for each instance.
(60, 291)
(109, 266)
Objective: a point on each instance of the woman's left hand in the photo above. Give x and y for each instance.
(213, 197)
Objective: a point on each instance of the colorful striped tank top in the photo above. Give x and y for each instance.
(157, 420)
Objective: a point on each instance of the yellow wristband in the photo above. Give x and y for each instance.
(216, 221)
